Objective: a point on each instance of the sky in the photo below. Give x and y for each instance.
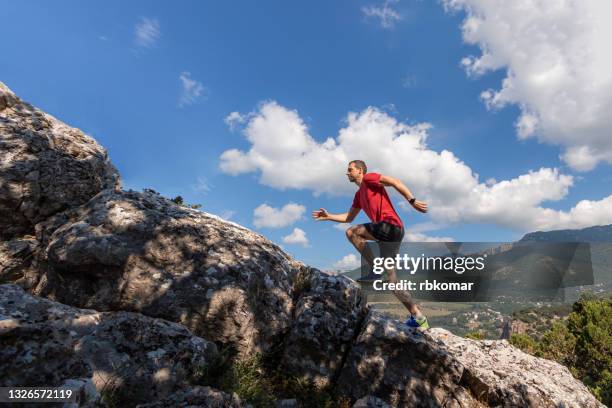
(495, 113)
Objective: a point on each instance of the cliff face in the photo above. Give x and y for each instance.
(133, 290)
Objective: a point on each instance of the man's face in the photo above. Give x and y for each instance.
(352, 172)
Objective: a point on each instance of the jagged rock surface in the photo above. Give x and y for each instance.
(198, 397)
(499, 374)
(403, 367)
(127, 356)
(409, 368)
(17, 263)
(143, 253)
(327, 318)
(45, 166)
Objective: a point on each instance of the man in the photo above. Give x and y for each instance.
(386, 226)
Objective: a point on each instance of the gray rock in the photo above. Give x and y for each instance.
(17, 263)
(403, 367)
(287, 403)
(370, 402)
(198, 397)
(126, 356)
(45, 166)
(406, 368)
(498, 374)
(141, 252)
(327, 318)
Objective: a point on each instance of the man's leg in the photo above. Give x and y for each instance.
(390, 249)
(359, 235)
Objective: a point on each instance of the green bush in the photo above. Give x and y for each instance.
(477, 335)
(524, 342)
(583, 344)
(591, 325)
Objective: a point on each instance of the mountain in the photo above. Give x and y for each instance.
(599, 233)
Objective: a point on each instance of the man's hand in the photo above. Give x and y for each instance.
(320, 215)
(420, 206)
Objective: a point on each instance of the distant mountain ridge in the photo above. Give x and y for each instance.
(598, 233)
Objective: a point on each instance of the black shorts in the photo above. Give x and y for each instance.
(384, 231)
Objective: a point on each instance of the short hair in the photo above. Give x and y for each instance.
(360, 164)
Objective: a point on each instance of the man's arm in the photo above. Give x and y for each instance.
(404, 191)
(323, 215)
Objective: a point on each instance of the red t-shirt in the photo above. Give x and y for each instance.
(372, 198)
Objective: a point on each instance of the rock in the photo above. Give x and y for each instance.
(16, 261)
(498, 374)
(143, 253)
(370, 402)
(287, 403)
(45, 166)
(198, 397)
(401, 366)
(406, 368)
(327, 318)
(128, 357)
(87, 394)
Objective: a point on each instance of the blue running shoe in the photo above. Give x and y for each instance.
(420, 322)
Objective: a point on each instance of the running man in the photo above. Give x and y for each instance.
(386, 226)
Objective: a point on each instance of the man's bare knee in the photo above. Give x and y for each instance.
(350, 233)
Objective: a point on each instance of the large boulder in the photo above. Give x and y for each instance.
(408, 368)
(46, 166)
(129, 358)
(401, 366)
(498, 374)
(141, 252)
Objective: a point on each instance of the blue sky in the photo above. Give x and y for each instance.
(153, 82)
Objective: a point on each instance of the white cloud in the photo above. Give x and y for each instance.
(297, 237)
(283, 152)
(271, 217)
(146, 32)
(559, 69)
(386, 14)
(234, 119)
(347, 263)
(227, 214)
(202, 186)
(191, 90)
(342, 226)
(420, 237)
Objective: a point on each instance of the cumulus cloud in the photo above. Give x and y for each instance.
(386, 14)
(266, 216)
(559, 69)
(297, 237)
(347, 263)
(191, 90)
(282, 149)
(146, 32)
